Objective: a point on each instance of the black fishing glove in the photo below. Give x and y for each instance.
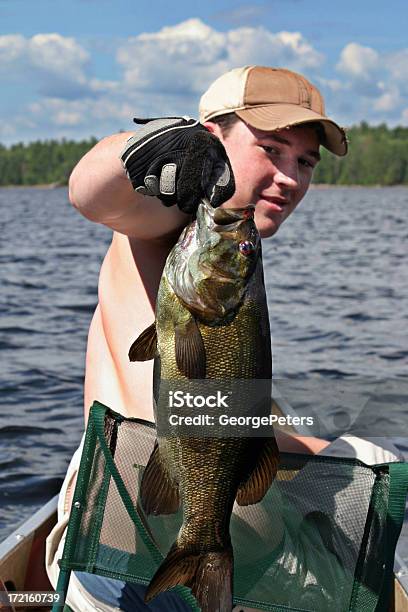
(179, 161)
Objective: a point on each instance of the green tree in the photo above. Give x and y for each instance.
(378, 155)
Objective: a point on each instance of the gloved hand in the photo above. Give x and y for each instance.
(178, 160)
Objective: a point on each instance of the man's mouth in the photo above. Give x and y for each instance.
(277, 203)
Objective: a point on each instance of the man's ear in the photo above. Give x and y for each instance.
(214, 128)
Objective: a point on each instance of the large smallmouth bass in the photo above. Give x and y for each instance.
(211, 325)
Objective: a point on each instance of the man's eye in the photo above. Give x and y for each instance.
(306, 163)
(270, 150)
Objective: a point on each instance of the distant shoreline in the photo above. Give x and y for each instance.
(336, 186)
(312, 186)
(36, 186)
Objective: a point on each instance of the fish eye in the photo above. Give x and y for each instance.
(246, 247)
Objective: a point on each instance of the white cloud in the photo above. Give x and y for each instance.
(185, 58)
(12, 47)
(357, 61)
(259, 46)
(165, 72)
(96, 85)
(54, 64)
(80, 112)
(386, 102)
(397, 64)
(173, 60)
(16, 129)
(377, 84)
(397, 67)
(362, 66)
(57, 55)
(390, 100)
(333, 85)
(64, 118)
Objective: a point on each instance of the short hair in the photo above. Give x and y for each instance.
(226, 122)
(319, 129)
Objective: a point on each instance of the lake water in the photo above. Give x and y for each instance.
(337, 282)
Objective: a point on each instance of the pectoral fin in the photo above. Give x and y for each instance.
(145, 346)
(254, 488)
(190, 350)
(159, 492)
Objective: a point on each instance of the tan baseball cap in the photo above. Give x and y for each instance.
(271, 99)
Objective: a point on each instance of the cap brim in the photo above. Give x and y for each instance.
(278, 116)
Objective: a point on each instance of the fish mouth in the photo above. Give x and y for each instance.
(234, 223)
(228, 216)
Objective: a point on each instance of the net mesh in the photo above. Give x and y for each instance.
(316, 542)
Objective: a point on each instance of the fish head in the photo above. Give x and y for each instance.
(211, 265)
(228, 242)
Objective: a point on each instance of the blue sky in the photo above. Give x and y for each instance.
(77, 68)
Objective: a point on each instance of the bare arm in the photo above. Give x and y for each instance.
(101, 191)
(292, 443)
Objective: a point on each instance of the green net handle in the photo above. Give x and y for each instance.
(97, 415)
(395, 518)
(363, 600)
(78, 503)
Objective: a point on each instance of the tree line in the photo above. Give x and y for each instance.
(378, 155)
(41, 162)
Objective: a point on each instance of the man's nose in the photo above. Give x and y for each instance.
(287, 174)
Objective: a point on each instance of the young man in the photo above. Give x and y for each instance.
(272, 170)
(271, 123)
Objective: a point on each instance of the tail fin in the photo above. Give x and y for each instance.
(208, 575)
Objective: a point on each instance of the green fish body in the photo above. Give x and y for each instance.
(211, 325)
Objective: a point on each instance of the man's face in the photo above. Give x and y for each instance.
(272, 170)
